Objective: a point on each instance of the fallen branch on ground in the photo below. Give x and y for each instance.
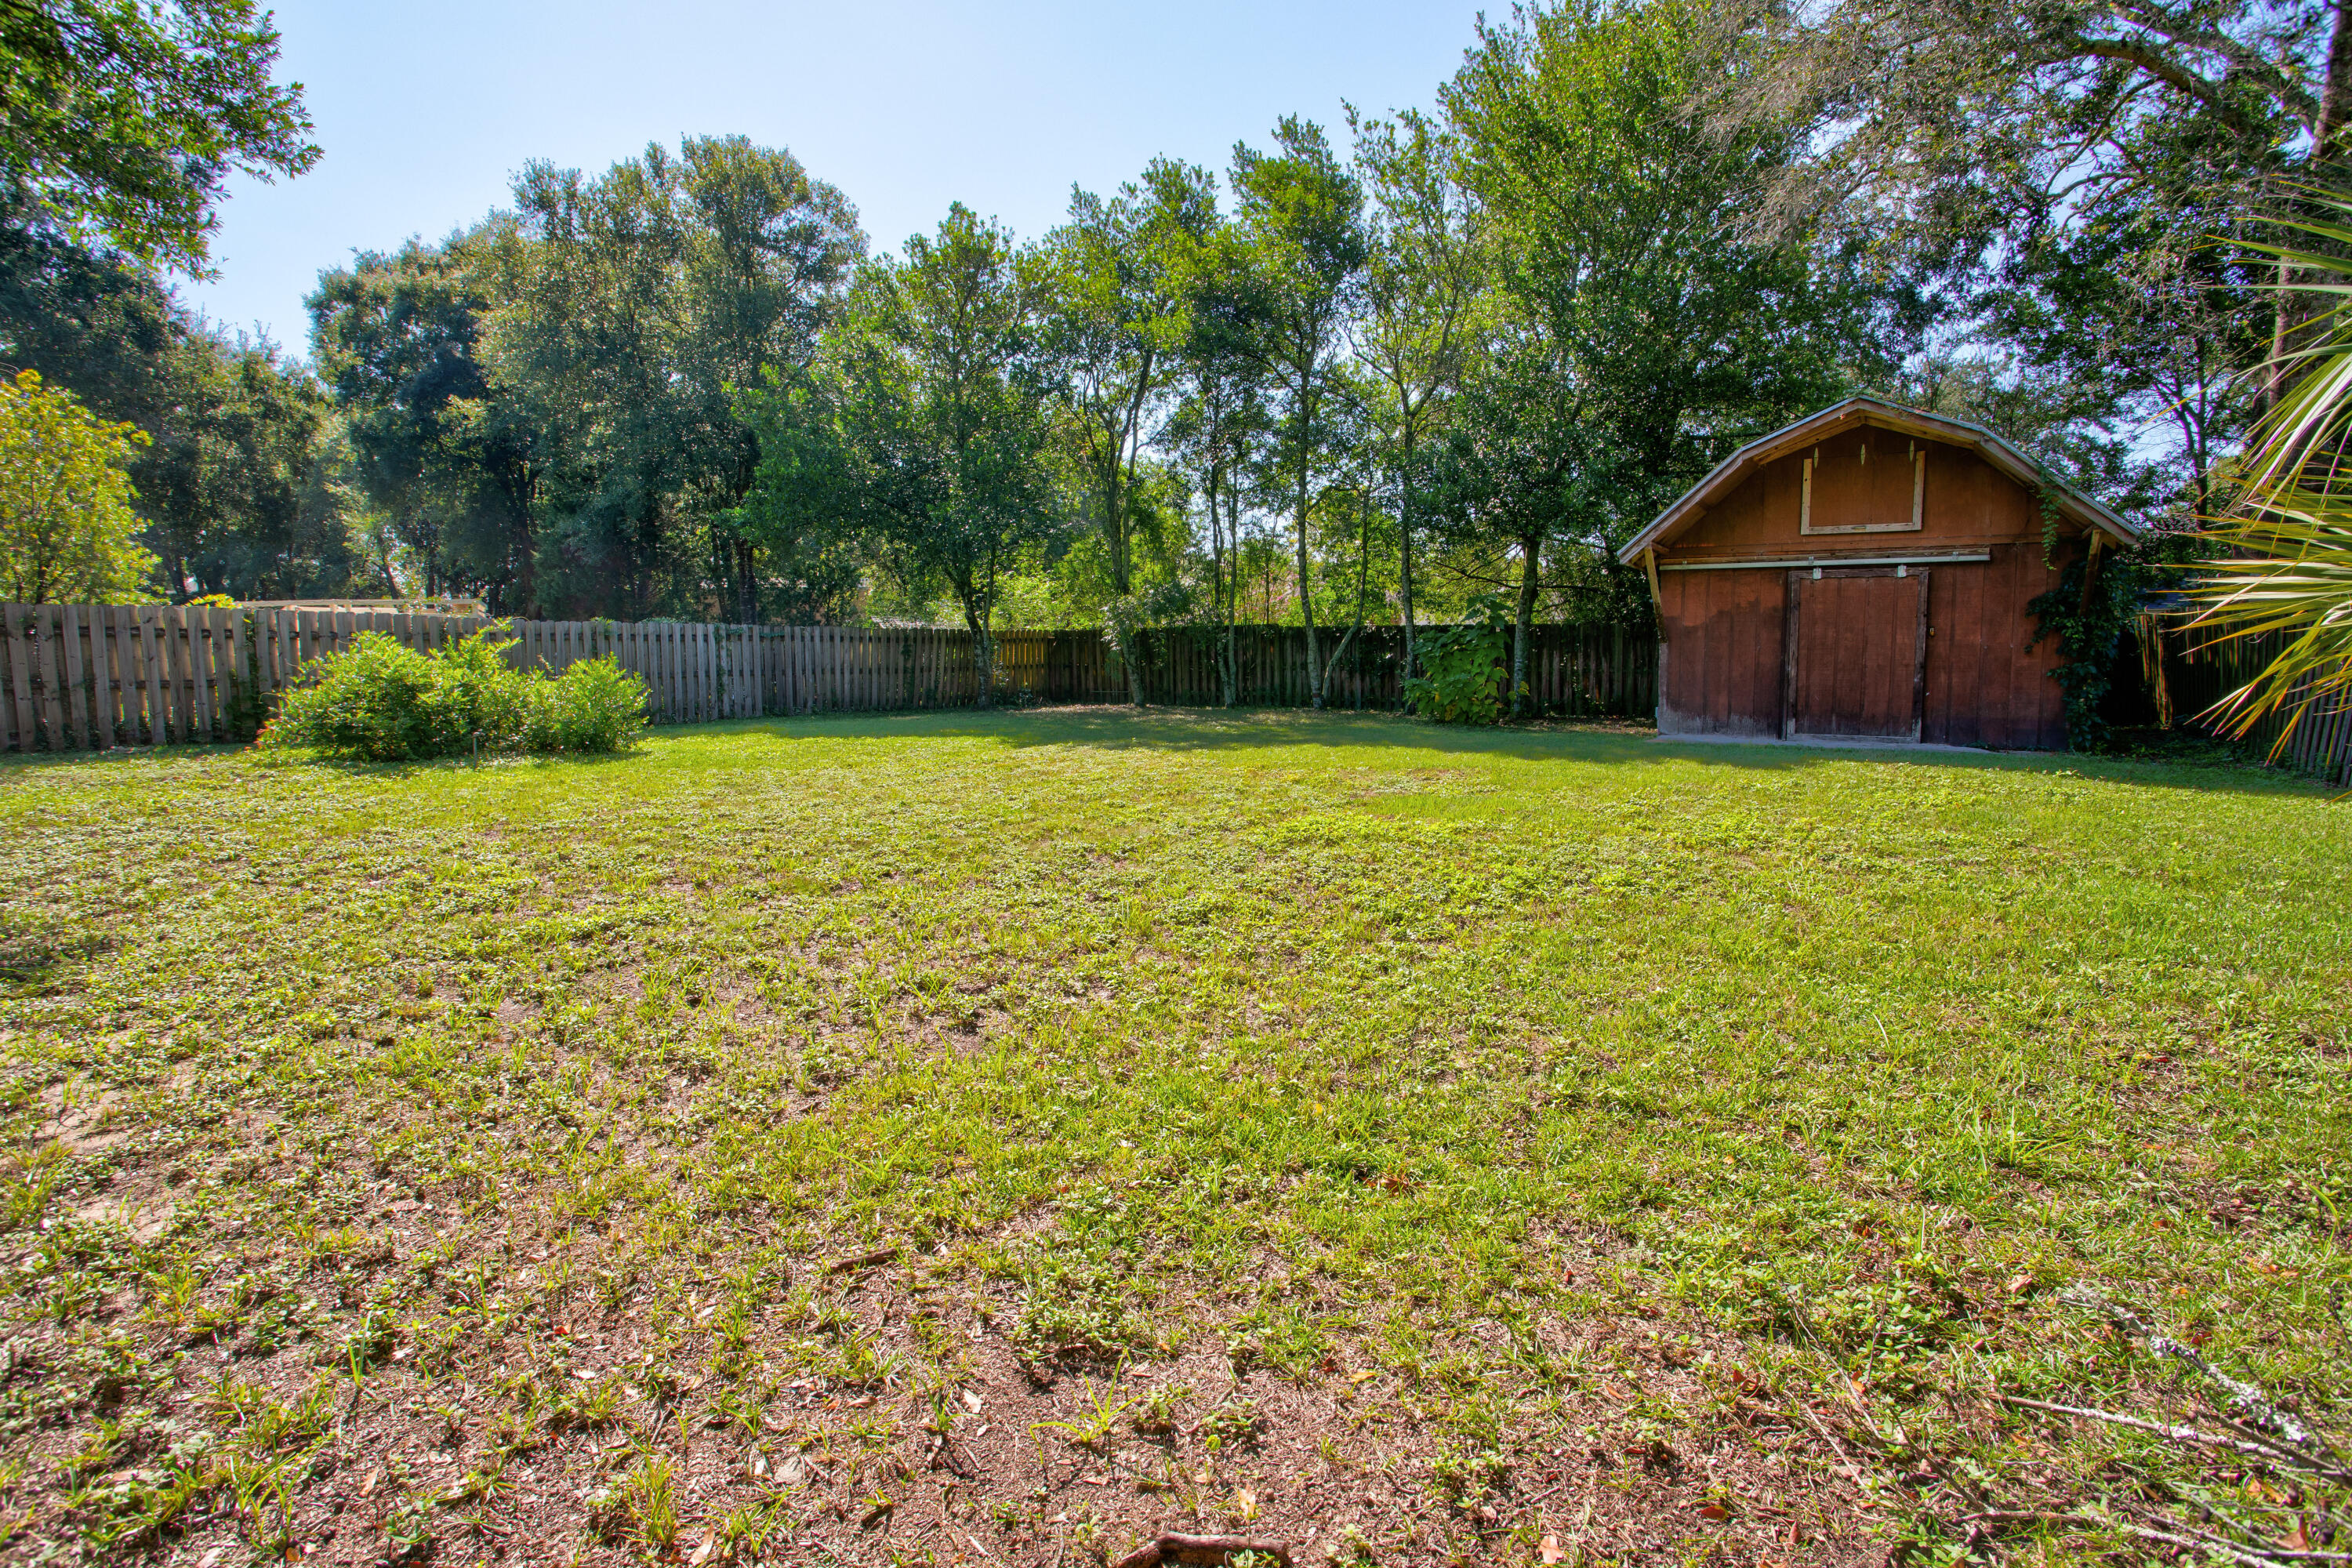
(880, 1255)
(1168, 1549)
(2161, 1428)
(2244, 1396)
(2252, 1426)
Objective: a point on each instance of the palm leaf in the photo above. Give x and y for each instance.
(2291, 577)
(2286, 569)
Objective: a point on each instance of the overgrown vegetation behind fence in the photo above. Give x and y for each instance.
(2321, 743)
(1577, 670)
(76, 677)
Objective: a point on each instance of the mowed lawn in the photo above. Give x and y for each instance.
(970, 1139)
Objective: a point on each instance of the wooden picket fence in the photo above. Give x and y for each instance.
(76, 677)
(2201, 676)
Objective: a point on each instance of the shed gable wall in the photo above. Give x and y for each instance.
(1967, 504)
(1986, 683)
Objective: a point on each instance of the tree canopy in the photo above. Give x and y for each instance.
(66, 533)
(120, 120)
(1357, 374)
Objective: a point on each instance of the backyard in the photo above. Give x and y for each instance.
(953, 1138)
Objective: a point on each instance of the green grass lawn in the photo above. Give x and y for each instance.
(954, 1139)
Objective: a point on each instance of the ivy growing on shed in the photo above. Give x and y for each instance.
(2089, 626)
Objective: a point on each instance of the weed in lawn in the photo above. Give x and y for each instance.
(408, 1528)
(1099, 1410)
(1157, 1413)
(1232, 1421)
(640, 1505)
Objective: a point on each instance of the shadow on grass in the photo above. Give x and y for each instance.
(488, 764)
(34, 953)
(294, 764)
(1269, 729)
(1274, 730)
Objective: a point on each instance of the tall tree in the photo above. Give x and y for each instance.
(1646, 335)
(1114, 320)
(233, 484)
(1299, 216)
(450, 462)
(630, 309)
(1423, 283)
(921, 432)
(1217, 434)
(120, 120)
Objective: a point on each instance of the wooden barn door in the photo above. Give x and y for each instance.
(1856, 653)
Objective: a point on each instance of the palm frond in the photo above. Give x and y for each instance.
(2285, 570)
(2290, 575)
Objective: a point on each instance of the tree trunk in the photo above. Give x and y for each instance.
(1234, 603)
(1363, 587)
(1306, 584)
(1530, 549)
(983, 651)
(748, 597)
(2288, 311)
(1122, 558)
(1405, 528)
(1122, 579)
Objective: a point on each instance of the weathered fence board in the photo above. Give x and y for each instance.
(2202, 674)
(97, 676)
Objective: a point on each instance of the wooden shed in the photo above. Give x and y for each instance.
(1864, 574)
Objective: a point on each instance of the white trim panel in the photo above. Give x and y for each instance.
(1823, 561)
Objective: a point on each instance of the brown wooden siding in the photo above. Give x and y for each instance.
(1985, 686)
(1722, 654)
(1855, 666)
(1968, 505)
(1725, 667)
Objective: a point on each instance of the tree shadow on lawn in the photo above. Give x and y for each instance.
(1266, 730)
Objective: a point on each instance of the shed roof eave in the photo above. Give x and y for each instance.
(2071, 504)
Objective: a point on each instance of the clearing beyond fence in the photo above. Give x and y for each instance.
(999, 1139)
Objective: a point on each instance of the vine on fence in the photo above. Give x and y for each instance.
(1466, 680)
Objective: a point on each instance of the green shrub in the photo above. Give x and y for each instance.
(382, 703)
(594, 706)
(1467, 666)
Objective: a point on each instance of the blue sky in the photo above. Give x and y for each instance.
(427, 107)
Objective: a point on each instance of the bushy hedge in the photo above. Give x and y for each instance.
(385, 703)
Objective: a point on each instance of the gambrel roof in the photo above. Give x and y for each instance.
(1854, 412)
